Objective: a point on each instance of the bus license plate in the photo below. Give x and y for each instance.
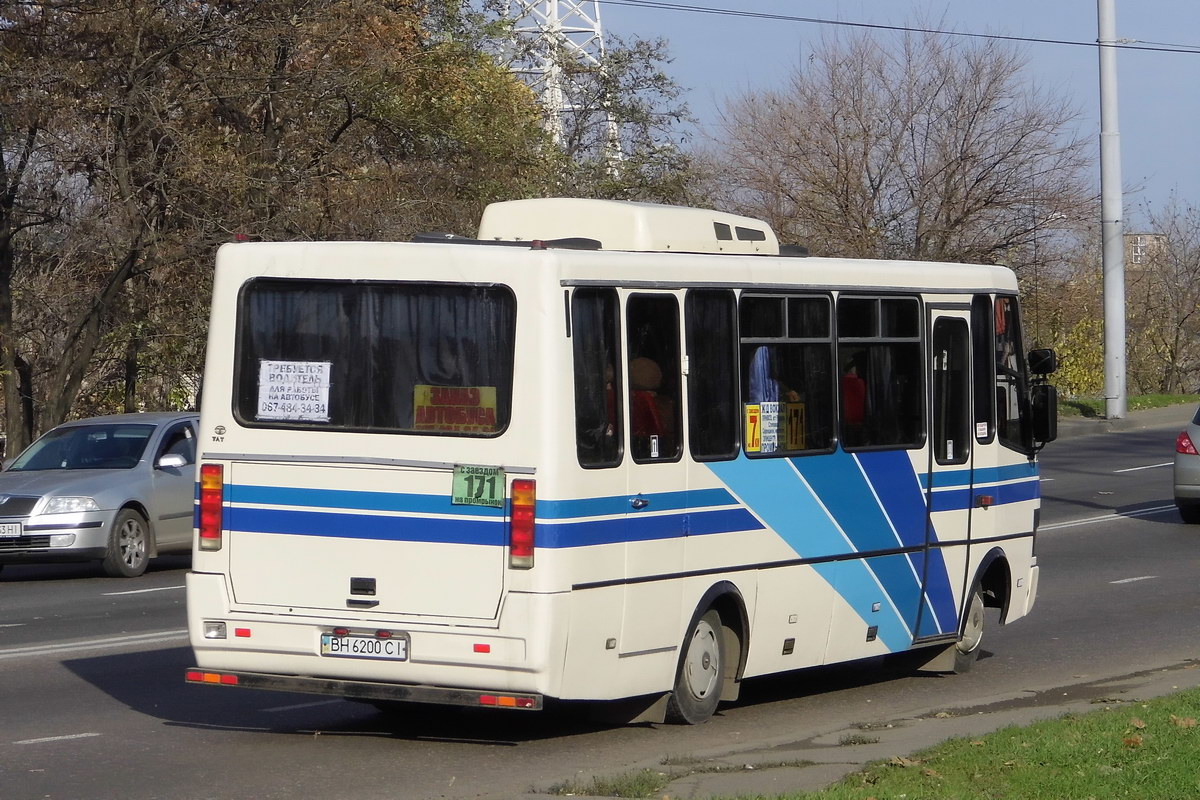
(10, 529)
(394, 649)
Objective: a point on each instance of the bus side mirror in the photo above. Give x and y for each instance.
(1044, 399)
(1043, 361)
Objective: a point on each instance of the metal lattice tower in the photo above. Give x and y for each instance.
(557, 37)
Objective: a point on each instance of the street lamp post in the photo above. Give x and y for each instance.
(1110, 217)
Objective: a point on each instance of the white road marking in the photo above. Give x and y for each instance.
(57, 738)
(301, 705)
(92, 644)
(141, 591)
(1135, 580)
(13, 625)
(1141, 512)
(1150, 466)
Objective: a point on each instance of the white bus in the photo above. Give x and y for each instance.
(607, 450)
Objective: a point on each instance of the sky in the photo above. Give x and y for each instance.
(716, 57)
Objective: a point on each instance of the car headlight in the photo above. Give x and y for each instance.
(68, 505)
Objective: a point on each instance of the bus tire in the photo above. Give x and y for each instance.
(128, 545)
(966, 649)
(701, 673)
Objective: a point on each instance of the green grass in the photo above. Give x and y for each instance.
(851, 739)
(1142, 750)
(650, 783)
(1145, 750)
(642, 783)
(1094, 406)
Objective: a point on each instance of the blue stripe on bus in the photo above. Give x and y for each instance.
(892, 476)
(366, 526)
(959, 499)
(773, 489)
(440, 504)
(582, 533)
(848, 485)
(578, 533)
(619, 504)
(964, 477)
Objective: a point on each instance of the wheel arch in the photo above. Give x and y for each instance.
(151, 535)
(993, 576)
(726, 599)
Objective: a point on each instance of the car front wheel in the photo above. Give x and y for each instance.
(128, 545)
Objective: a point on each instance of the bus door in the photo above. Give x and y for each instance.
(656, 472)
(951, 469)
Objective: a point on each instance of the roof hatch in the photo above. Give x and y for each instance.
(622, 225)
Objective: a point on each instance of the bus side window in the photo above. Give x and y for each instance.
(654, 377)
(984, 368)
(882, 379)
(787, 378)
(594, 342)
(712, 386)
(1012, 387)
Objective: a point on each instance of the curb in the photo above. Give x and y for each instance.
(1169, 416)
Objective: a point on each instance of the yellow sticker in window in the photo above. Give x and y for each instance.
(753, 428)
(462, 409)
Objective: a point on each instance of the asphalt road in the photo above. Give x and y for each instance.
(92, 702)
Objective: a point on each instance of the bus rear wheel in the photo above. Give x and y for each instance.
(701, 673)
(966, 650)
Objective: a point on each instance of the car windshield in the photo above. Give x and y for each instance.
(86, 447)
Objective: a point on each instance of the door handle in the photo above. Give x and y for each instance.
(639, 503)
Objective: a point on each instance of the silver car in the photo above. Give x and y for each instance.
(1187, 471)
(118, 488)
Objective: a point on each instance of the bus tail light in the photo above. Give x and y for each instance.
(212, 498)
(197, 676)
(507, 701)
(521, 524)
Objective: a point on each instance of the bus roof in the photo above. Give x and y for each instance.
(623, 225)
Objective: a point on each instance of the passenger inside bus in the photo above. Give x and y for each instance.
(651, 414)
(854, 404)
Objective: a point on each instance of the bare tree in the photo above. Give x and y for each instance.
(1164, 303)
(137, 134)
(926, 147)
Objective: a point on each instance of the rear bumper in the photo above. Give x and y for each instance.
(1187, 479)
(1187, 494)
(368, 690)
(445, 664)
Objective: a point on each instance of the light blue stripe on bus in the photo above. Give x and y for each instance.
(619, 504)
(877, 501)
(355, 500)
(773, 489)
(962, 477)
(894, 481)
(440, 504)
(643, 528)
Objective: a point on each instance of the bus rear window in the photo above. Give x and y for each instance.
(375, 356)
